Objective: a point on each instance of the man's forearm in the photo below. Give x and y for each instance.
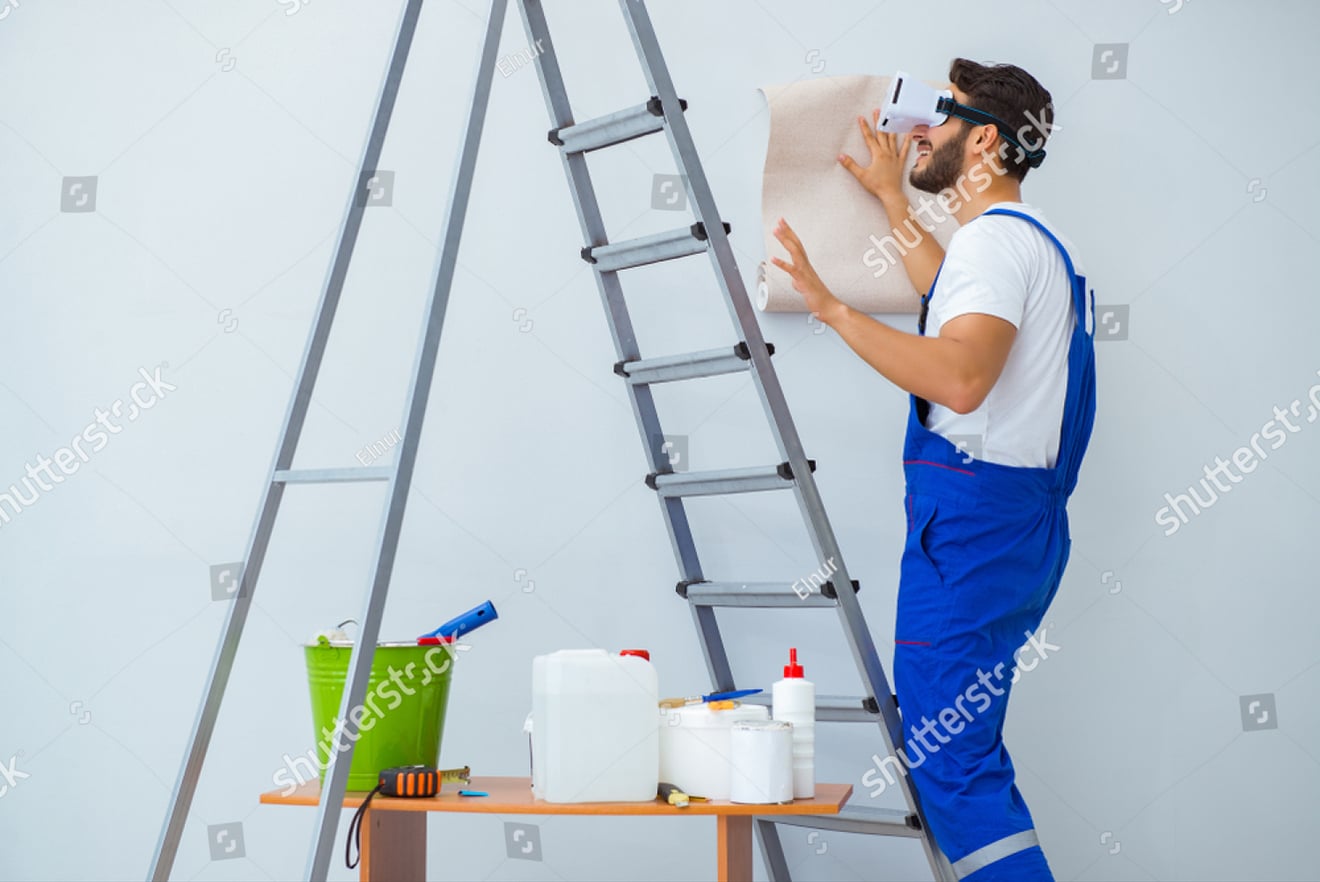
(929, 367)
(922, 261)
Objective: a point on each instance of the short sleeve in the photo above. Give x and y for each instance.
(984, 272)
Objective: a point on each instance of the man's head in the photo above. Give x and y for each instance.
(948, 151)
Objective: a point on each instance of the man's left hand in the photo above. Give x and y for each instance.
(824, 305)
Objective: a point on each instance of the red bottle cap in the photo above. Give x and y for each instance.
(641, 652)
(792, 669)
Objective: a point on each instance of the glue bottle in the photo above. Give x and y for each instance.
(794, 700)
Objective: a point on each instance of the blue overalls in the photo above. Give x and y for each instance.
(986, 548)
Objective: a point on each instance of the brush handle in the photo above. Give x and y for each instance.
(468, 621)
(737, 693)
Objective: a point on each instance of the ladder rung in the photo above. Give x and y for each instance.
(760, 594)
(749, 480)
(668, 245)
(834, 708)
(858, 819)
(687, 366)
(332, 476)
(614, 128)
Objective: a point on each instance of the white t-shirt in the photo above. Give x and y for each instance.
(1006, 267)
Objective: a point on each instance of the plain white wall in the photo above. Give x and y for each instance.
(224, 139)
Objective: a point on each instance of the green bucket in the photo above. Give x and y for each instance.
(402, 717)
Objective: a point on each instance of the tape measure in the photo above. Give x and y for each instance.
(401, 781)
(408, 781)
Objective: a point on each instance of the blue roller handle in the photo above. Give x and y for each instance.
(468, 621)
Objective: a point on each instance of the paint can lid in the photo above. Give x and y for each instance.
(764, 725)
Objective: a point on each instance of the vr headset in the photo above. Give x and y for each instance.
(911, 103)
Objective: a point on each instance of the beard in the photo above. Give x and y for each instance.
(943, 166)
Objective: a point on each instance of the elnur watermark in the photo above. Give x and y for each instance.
(510, 64)
(812, 583)
(376, 449)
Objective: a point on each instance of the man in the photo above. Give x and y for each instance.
(1004, 353)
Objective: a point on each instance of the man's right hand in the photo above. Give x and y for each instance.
(883, 178)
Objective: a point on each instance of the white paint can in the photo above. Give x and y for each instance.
(762, 752)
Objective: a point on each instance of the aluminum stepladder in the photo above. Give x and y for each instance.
(662, 112)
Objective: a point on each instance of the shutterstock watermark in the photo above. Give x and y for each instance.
(1246, 458)
(41, 478)
(12, 774)
(934, 210)
(954, 719)
(298, 770)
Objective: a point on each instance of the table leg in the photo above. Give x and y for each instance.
(735, 848)
(393, 847)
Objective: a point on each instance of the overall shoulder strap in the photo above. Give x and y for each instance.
(1067, 259)
(1078, 282)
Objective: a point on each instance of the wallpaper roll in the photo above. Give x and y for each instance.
(812, 121)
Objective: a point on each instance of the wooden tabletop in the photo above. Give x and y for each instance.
(513, 796)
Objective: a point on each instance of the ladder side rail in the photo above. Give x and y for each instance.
(295, 416)
(355, 688)
(822, 535)
(621, 329)
(772, 851)
(764, 376)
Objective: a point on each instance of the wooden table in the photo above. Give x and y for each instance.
(394, 830)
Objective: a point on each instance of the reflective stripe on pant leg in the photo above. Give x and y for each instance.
(988, 854)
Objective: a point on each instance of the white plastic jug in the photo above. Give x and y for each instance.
(594, 727)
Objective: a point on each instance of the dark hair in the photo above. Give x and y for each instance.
(1013, 95)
